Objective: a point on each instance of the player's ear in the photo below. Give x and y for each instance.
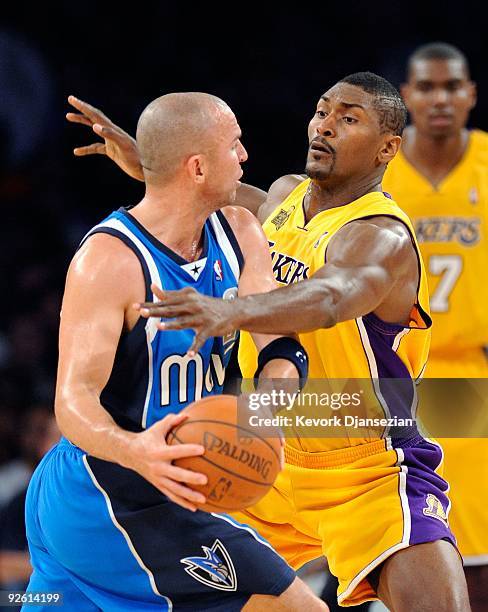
(405, 93)
(473, 93)
(389, 149)
(196, 167)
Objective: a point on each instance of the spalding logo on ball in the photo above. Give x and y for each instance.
(240, 465)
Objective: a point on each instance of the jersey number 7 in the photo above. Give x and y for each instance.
(450, 266)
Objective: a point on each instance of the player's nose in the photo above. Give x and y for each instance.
(440, 96)
(326, 127)
(242, 154)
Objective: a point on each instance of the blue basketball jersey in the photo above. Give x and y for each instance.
(152, 375)
(103, 535)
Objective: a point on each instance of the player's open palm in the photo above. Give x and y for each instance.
(118, 145)
(151, 457)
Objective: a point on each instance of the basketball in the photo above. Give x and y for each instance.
(240, 466)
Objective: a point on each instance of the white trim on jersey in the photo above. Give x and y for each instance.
(419, 378)
(225, 245)
(151, 325)
(398, 338)
(194, 269)
(373, 368)
(395, 346)
(415, 403)
(132, 549)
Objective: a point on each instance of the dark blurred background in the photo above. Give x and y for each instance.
(270, 64)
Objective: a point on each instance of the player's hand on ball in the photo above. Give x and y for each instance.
(151, 457)
(188, 309)
(118, 145)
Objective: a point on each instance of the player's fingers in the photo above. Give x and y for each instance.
(180, 451)
(95, 115)
(167, 312)
(108, 133)
(150, 311)
(182, 491)
(179, 323)
(168, 422)
(176, 297)
(198, 341)
(97, 148)
(171, 312)
(171, 298)
(187, 476)
(152, 308)
(178, 500)
(160, 309)
(76, 118)
(158, 292)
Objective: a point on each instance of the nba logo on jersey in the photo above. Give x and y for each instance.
(218, 270)
(315, 246)
(473, 195)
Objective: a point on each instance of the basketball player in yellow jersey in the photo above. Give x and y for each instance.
(376, 508)
(440, 178)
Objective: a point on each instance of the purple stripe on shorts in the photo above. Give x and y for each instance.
(426, 492)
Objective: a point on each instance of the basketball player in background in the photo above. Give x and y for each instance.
(440, 179)
(362, 315)
(108, 520)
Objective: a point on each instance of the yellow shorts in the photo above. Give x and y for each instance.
(357, 506)
(466, 471)
(466, 463)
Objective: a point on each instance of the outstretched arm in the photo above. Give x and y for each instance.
(371, 266)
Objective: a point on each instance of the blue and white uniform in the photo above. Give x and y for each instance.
(101, 534)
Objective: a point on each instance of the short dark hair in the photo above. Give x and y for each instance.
(388, 103)
(437, 51)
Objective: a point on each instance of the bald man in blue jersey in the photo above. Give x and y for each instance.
(111, 523)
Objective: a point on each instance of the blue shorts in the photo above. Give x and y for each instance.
(108, 540)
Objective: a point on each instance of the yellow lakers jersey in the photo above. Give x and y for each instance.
(450, 223)
(364, 348)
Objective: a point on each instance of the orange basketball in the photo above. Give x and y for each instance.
(240, 466)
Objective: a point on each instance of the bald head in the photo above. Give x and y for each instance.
(174, 127)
